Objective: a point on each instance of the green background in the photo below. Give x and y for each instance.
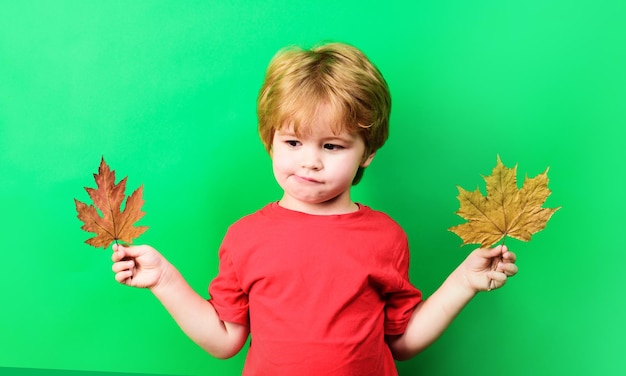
(166, 90)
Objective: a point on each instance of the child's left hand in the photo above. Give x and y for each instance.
(489, 268)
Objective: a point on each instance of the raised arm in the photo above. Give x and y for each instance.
(431, 317)
(144, 267)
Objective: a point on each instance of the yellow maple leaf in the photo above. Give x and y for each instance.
(506, 210)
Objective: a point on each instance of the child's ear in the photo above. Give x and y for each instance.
(366, 161)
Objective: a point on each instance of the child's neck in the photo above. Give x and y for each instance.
(331, 207)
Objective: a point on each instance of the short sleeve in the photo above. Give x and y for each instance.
(227, 296)
(401, 297)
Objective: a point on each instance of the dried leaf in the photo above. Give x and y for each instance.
(505, 211)
(114, 224)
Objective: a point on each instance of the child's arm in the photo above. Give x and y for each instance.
(144, 267)
(434, 315)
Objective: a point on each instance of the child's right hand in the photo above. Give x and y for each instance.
(138, 266)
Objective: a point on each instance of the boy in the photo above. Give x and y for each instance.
(319, 282)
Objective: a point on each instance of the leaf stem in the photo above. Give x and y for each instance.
(494, 266)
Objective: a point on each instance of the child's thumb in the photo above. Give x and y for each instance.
(125, 250)
(498, 250)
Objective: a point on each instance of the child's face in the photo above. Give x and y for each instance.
(316, 168)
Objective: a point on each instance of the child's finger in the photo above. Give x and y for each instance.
(509, 256)
(498, 279)
(118, 255)
(123, 265)
(509, 269)
(124, 276)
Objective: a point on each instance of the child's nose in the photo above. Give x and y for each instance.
(310, 159)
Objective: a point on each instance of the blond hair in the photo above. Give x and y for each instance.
(298, 81)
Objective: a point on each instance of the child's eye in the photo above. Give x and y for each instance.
(292, 143)
(332, 147)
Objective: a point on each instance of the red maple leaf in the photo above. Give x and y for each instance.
(105, 217)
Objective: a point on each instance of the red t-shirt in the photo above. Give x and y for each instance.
(319, 292)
